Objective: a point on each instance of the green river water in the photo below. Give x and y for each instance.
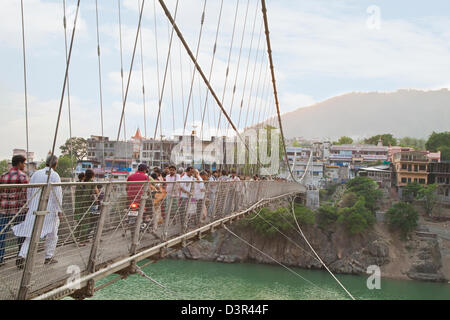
(198, 280)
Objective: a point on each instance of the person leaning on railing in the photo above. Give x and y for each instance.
(85, 206)
(12, 201)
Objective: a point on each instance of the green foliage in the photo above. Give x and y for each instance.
(402, 216)
(367, 188)
(326, 215)
(304, 215)
(357, 218)
(269, 222)
(41, 166)
(388, 139)
(428, 195)
(64, 167)
(411, 190)
(445, 153)
(438, 140)
(77, 147)
(417, 144)
(348, 200)
(3, 166)
(343, 140)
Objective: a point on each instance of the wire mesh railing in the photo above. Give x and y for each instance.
(88, 225)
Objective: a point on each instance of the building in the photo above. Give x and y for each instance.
(83, 165)
(336, 174)
(439, 173)
(102, 150)
(395, 149)
(299, 159)
(410, 166)
(358, 153)
(382, 175)
(156, 153)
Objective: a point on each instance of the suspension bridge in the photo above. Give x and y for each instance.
(105, 234)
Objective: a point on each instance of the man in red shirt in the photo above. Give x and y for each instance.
(136, 190)
(12, 200)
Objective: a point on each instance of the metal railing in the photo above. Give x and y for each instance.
(89, 225)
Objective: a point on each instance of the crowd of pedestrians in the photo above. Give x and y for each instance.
(183, 196)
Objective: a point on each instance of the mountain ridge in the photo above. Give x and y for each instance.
(405, 112)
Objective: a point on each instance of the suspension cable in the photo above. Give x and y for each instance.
(256, 95)
(211, 67)
(68, 93)
(228, 66)
(194, 71)
(248, 65)
(25, 84)
(161, 92)
(131, 70)
(62, 94)
(301, 232)
(253, 79)
(275, 93)
(200, 71)
(100, 82)
(274, 260)
(239, 58)
(143, 77)
(121, 77)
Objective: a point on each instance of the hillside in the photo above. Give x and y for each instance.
(411, 113)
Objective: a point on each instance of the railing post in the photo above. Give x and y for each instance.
(169, 210)
(97, 237)
(184, 224)
(135, 240)
(213, 215)
(34, 242)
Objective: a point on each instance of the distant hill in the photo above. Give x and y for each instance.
(403, 113)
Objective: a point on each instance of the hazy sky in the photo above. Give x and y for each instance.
(321, 49)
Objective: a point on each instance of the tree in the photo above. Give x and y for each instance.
(366, 188)
(357, 218)
(348, 200)
(438, 140)
(326, 215)
(403, 217)
(411, 190)
(415, 143)
(304, 215)
(428, 195)
(64, 167)
(3, 166)
(78, 147)
(343, 140)
(445, 153)
(388, 139)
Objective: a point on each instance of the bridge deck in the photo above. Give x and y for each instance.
(115, 239)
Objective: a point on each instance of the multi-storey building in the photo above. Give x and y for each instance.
(298, 159)
(358, 153)
(410, 166)
(439, 173)
(156, 152)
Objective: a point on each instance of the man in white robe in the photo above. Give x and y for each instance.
(51, 220)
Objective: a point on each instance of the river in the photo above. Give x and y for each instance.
(199, 280)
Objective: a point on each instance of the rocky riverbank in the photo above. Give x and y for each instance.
(419, 258)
